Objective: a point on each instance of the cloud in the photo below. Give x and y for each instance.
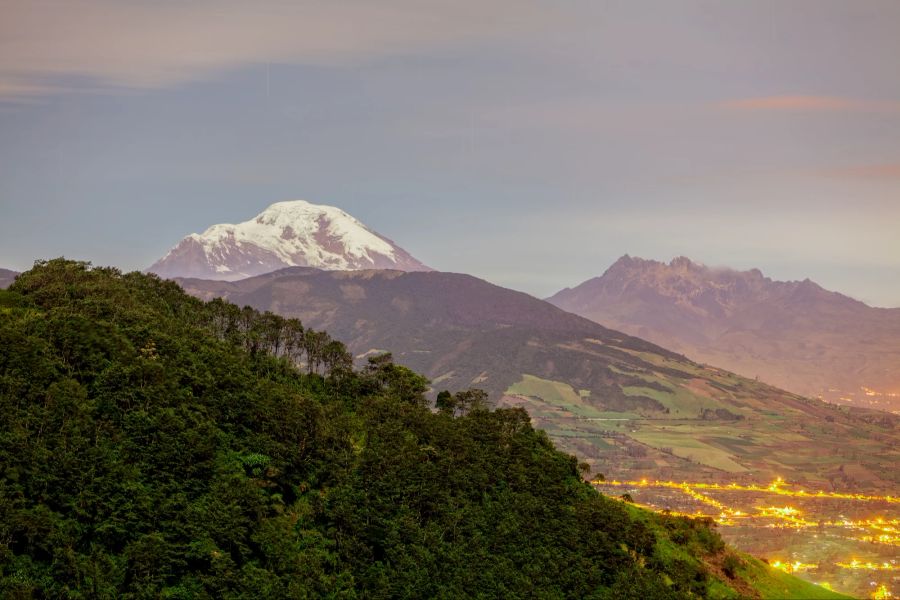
(13, 89)
(148, 44)
(887, 171)
(809, 104)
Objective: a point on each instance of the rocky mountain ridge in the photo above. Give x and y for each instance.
(792, 334)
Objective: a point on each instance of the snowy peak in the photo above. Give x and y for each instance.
(286, 234)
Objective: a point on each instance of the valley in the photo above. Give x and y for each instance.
(846, 541)
(837, 523)
(735, 432)
(736, 472)
(863, 396)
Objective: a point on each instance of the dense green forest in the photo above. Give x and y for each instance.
(156, 446)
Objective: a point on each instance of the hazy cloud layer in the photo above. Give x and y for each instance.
(882, 171)
(150, 44)
(812, 103)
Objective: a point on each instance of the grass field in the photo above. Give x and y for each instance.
(681, 402)
(562, 396)
(553, 392)
(754, 443)
(772, 583)
(687, 445)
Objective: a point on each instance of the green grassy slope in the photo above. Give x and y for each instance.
(772, 583)
(715, 424)
(682, 542)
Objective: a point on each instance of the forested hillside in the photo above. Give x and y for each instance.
(153, 445)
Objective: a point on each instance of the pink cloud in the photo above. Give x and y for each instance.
(880, 171)
(809, 104)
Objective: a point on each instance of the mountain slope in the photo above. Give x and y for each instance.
(154, 446)
(293, 233)
(433, 321)
(794, 335)
(615, 400)
(6, 278)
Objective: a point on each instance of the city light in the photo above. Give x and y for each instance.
(851, 523)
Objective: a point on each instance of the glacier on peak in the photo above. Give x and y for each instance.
(285, 234)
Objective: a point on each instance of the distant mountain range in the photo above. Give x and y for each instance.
(6, 278)
(794, 335)
(293, 233)
(608, 397)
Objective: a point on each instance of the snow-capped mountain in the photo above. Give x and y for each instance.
(287, 234)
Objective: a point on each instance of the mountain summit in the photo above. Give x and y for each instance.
(793, 334)
(696, 290)
(286, 234)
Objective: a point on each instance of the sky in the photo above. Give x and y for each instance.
(528, 143)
